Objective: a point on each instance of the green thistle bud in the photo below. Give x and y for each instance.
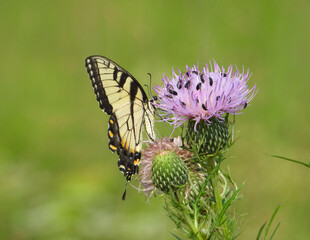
(168, 171)
(207, 137)
(196, 178)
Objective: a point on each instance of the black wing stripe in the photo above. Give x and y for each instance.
(133, 92)
(102, 99)
(123, 80)
(92, 69)
(105, 60)
(115, 73)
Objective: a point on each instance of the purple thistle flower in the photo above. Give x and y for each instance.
(200, 95)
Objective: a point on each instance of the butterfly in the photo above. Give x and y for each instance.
(121, 96)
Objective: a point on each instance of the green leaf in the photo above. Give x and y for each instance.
(176, 236)
(260, 231)
(271, 220)
(291, 160)
(203, 187)
(227, 204)
(273, 233)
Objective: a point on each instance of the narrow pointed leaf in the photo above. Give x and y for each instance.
(260, 231)
(271, 220)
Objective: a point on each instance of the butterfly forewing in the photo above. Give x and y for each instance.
(120, 95)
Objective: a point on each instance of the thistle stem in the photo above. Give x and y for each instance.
(219, 204)
(192, 226)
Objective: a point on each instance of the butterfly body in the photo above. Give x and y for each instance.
(121, 96)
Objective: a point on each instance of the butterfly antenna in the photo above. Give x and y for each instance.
(147, 86)
(124, 194)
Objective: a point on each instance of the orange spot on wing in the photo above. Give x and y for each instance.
(111, 134)
(113, 147)
(136, 162)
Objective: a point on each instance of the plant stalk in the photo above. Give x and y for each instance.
(219, 204)
(193, 228)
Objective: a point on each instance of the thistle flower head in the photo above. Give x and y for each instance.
(154, 149)
(202, 94)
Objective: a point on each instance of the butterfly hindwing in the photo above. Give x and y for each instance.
(120, 95)
(113, 134)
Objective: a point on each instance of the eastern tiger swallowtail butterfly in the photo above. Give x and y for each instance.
(121, 96)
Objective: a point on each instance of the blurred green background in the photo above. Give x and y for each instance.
(58, 180)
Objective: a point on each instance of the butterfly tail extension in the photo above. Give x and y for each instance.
(128, 164)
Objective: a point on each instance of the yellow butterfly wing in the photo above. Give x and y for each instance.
(120, 95)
